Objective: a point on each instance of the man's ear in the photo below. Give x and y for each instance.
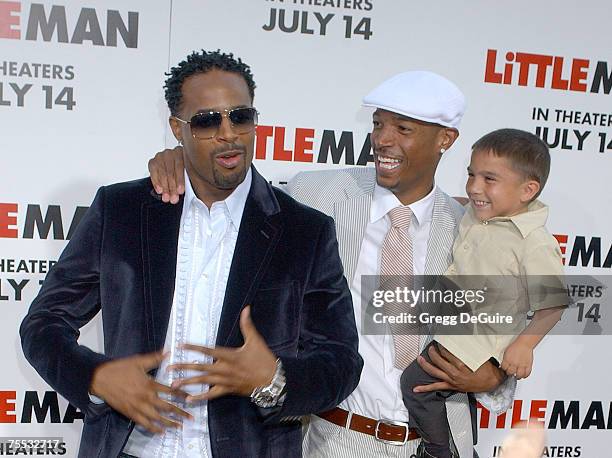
(447, 137)
(176, 127)
(529, 189)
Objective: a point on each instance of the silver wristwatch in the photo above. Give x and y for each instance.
(273, 394)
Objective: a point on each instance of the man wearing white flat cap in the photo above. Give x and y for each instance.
(416, 119)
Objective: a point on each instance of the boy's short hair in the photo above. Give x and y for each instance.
(527, 153)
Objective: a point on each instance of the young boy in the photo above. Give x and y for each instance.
(501, 238)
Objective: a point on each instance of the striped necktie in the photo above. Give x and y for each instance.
(396, 269)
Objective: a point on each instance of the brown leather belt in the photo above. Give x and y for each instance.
(387, 431)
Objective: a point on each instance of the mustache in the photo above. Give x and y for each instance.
(226, 148)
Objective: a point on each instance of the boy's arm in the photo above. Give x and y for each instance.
(541, 324)
(542, 268)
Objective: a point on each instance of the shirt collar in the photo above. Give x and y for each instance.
(384, 201)
(234, 203)
(526, 222)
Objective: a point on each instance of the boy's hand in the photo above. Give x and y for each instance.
(518, 360)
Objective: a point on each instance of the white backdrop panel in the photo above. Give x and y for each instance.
(310, 83)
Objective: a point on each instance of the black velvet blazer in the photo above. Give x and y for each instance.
(122, 261)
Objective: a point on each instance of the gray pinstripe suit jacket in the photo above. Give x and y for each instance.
(346, 195)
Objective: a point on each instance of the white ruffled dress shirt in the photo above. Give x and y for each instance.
(206, 244)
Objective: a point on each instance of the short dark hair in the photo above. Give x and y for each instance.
(203, 62)
(527, 153)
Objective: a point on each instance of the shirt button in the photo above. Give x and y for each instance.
(205, 276)
(466, 247)
(208, 233)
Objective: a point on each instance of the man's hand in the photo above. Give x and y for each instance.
(234, 370)
(167, 174)
(455, 375)
(526, 440)
(125, 386)
(518, 360)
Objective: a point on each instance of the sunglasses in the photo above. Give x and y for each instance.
(205, 125)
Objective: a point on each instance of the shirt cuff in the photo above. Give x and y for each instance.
(95, 399)
(500, 399)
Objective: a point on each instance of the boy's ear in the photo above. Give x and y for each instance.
(530, 189)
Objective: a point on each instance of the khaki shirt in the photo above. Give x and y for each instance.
(510, 255)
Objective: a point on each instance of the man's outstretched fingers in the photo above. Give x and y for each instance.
(214, 392)
(147, 424)
(169, 390)
(227, 354)
(151, 412)
(151, 360)
(247, 327)
(167, 407)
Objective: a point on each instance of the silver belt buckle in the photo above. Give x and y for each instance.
(384, 421)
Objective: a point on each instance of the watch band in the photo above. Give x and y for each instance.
(273, 394)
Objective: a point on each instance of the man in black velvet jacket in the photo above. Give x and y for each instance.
(292, 352)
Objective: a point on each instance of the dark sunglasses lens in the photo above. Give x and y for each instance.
(205, 125)
(243, 118)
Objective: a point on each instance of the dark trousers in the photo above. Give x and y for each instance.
(427, 410)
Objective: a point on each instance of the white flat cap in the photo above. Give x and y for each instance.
(421, 95)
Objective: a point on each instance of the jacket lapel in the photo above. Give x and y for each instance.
(351, 215)
(440, 244)
(441, 237)
(351, 218)
(160, 231)
(260, 230)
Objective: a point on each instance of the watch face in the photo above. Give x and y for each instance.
(269, 391)
(265, 400)
(268, 395)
